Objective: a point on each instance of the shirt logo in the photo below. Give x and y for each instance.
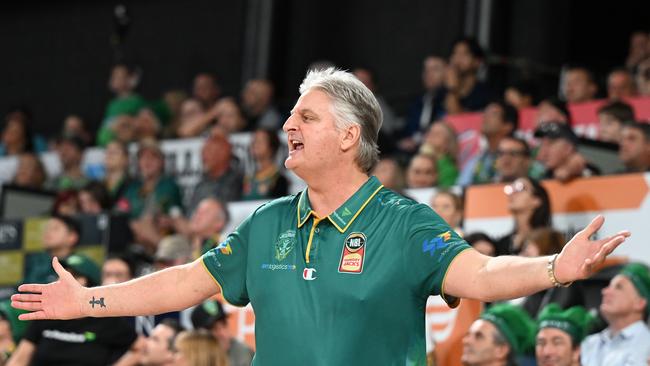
(308, 274)
(285, 243)
(354, 250)
(225, 248)
(439, 242)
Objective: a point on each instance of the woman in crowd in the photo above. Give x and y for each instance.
(422, 171)
(267, 181)
(16, 136)
(66, 203)
(198, 348)
(541, 242)
(390, 174)
(530, 207)
(116, 163)
(482, 243)
(441, 141)
(449, 207)
(30, 172)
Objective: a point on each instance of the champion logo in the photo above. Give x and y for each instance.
(308, 274)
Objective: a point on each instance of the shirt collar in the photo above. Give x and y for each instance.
(343, 217)
(627, 332)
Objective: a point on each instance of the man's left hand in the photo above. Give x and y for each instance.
(581, 256)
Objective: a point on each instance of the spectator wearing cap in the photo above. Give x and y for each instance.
(85, 341)
(501, 334)
(151, 198)
(499, 121)
(211, 316)
(634, 147)
(70, 150)
(552, 109)
(463, 90)
(173, 250)
(611, 118)
(579, 85)
(60, 237)
(222, 177)
(560, 334)
(558, 152)
(625, 306)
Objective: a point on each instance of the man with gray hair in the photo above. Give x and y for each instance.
(338, 274)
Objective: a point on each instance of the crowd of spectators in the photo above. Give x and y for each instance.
(421, 150)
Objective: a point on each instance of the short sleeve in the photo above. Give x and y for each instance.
(430, 248)
(228, 264)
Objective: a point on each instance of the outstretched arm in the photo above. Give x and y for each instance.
(473, 275)
(171, 289)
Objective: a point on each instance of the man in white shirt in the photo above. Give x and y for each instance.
(625, 305)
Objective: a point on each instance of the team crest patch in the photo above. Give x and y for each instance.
(284, 245)
(354, 250)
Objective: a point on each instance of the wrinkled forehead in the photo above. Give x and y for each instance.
(313, 100)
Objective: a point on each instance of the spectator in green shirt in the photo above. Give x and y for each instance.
(126, 103)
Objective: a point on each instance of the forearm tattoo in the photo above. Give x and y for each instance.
(99, 302)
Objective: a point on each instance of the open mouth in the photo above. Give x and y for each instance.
(295, 145)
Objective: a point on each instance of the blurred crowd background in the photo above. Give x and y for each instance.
(135, 136)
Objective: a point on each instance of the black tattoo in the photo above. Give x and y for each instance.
(99, 302)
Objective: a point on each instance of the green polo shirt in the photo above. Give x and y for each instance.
(346, 289)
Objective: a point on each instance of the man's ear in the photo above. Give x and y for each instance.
(350, 136)
(501, 351)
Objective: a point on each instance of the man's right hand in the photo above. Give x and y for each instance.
(57, 300)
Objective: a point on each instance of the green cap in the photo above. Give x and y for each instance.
(576, 320)
(639, 274)
(515, 325)
(83, 266)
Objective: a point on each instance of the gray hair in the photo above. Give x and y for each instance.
(352, 104)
